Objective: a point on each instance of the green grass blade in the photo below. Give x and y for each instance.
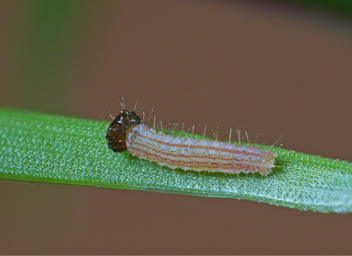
(43, 148)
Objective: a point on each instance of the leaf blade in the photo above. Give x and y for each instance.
(43, 148)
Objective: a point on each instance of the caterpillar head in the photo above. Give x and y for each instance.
(116, 134)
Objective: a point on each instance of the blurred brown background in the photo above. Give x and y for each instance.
(271, 68)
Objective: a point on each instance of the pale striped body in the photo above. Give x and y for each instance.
(197, 155)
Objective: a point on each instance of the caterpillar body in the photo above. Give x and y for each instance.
(127, 132)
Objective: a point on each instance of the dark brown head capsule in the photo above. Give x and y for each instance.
(117, 130)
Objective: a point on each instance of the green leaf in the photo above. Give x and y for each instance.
(44, 148)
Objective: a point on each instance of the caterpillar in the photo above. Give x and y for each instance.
(127, 132)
